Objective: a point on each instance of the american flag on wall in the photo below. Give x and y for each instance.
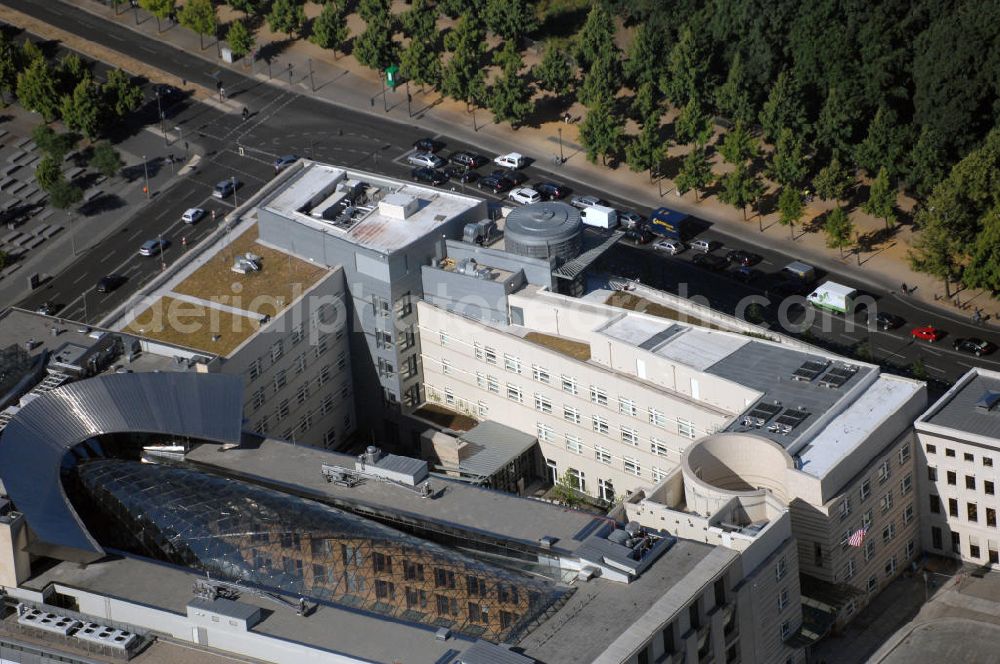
(858, 538)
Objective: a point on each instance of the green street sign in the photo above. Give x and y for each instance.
(392, 76)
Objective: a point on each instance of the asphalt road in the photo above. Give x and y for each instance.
(286, 122)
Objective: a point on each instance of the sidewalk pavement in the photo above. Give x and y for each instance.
(341, 81)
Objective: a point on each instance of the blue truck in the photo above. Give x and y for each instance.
(669, 223)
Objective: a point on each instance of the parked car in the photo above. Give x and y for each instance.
(672, 247)
(741, 257)
(427, 159)
(711, 261)
(47, 308)
(153, 247)
(525, 196)
(495, 184)
(586, 201)
(512, 160)
(886, 321)
(469, 159)
(703, 245)
(281, 163)
(225, 188)
(428, 144)
(428, 176)
(630, 219)
(192, 215)
(460, 173)
(639, 235)
(974, 346)
(551, 191)
(927, 333)
(516, 179)
(110, 282)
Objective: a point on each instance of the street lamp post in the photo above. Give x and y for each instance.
(290, 66)
(145, 170)
(385, 97)
(312, 83)
(409, 101)
(562, 159)
(180, 133)
(163, 261)
(232, 178)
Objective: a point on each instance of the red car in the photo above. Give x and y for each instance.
(927, 333)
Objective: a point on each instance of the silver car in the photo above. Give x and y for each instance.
(426, 159)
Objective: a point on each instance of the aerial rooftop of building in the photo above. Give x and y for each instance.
(971, 406)
(367, 209)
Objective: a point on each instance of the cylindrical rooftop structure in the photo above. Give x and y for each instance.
(544, 230)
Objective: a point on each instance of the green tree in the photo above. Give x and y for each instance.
(81, 110)
(287, 16)
(601, 132)
(983, 269)
(30, 51)
(646, 103)
(64, 195)
(693, 125)
(510, 19)
(510, 95)
(159, 8)
(732, 98)
(881, 201)
(375, 48)
(936, 250)
(330, 30)
(106, 160)
(687, 69)
(832, 181)
(421, 60)
(48, 172)
(553, 73)
(602, 81)
(783, 108)
(787, 166)
(10, 65)
(839, 229)
(926, 163)
(790, 208)
(918, 369)
(36, 89)
(199, 15)
(596, 35)
(248, 7)
(70, 71)
(52, 143)
(837, 122)
(463, 76)
(645, 151)
(567, 490)
(885, 144)
(738, 145)
(644, 64)
(240, 39)
(371, 10)
(121, 94)
(740, 188)
(695, 173)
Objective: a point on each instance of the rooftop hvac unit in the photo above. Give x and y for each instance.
(106, 636)
(50, 622)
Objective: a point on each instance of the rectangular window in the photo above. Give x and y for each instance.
(445, 367)
(600, 424)
(657, 418)
(302, 393)
(991, 517)
(280, 380)
(845, 539)
(972, 512)
(888, 533)
(908, 514)
(866, 490)
(782, 599)
(490, 355)
(571, 414)
(956, 542)
(442, 337)
(545, 432)
(574, 444)
(781, 568)
(970, 482)
(968, 457)
(886, 502)
(988, 487)
(657, 447)
(381, 306)
(952, 507)
(381, 562)
(685, 428)
(658, 474)
(413, 571)
(492, 384)
(906, 484)
(300, 363)
(385, 368)
(444, 578)
(848, 571)
(277, 350)
(383, 339)
(866, 519)
(385, 589)
(932, 449)
(948, 452)
(932, 473)
(514, 393)
(890, 566)
(478, 350)
(883, 471)
(845, 508)
(632, 466)
(626, 406)
(952, 478)
(904, 454)
(298, 334)
(542, 404)
(602, 454)
(511, 363)
(872, 583)
(480, 380)
(869, 548)
(988, 462)
(598, 396)
(540, 374)
(630, 436)
(935, 537)
(481, 408)
(569, 384)
(786, 629)
(911, 548)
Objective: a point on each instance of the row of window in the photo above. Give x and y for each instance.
(951, 477)
(992, 556)
(849, 569)
(885, 500)
(966, 456)
(971, 510)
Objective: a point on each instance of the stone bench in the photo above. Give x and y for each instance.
(9, 238)
(9, 270)
(34, 242)
(41, 230)
(23, 240)
(10, 170)
(52, 230)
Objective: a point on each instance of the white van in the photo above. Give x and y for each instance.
(600, 216)
(512, 160)
(833, 297)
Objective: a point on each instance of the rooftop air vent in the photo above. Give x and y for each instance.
(989, 400)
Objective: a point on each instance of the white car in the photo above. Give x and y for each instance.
(703, 245)
(525, 196)
(192, 215)
(512, 160)
(426, 159)
(672, 247)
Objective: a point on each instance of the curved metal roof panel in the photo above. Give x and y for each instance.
(32, 447)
